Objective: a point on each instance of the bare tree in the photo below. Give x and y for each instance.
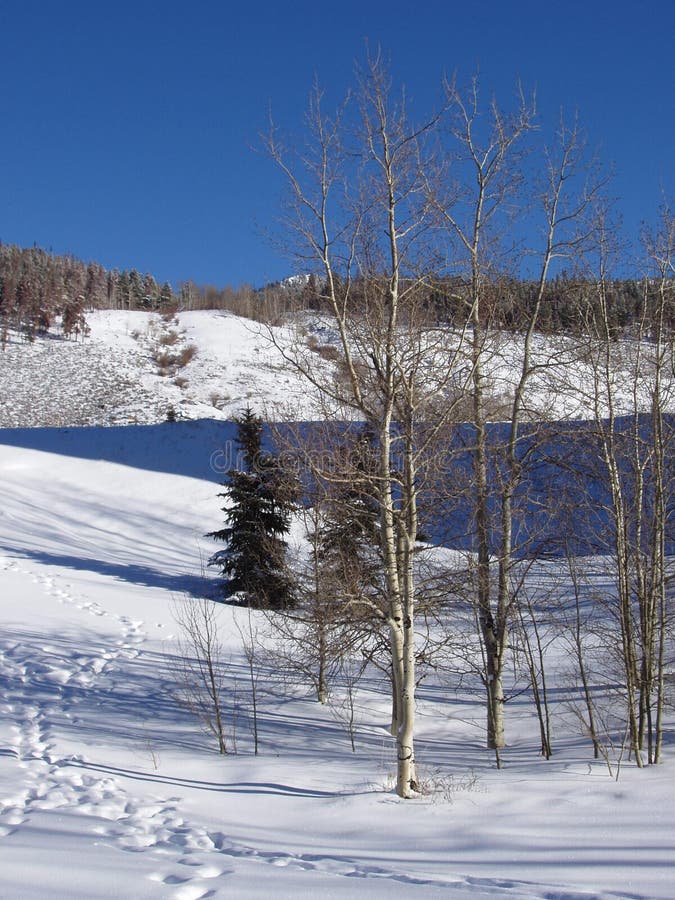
(478, 221)
(362, 214)
(200, 665)
(329, 621)
(635, 440)
(387, 214)
(579, 631)
(250, 640)
(533, 638)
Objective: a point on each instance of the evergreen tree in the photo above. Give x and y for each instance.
(348, 538)
(137, 296)
(310, 296)
(123, 292)
(150, 292)
(258, 517)
(166, 296)
(95, 291)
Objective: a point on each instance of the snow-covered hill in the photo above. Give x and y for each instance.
(123, 373)
(116, 376)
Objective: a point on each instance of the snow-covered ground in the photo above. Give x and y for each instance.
(107, 786)
(109, 789)
(113, 376)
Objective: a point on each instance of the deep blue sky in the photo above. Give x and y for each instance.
(127, 128)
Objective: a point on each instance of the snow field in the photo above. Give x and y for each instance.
(108, 788)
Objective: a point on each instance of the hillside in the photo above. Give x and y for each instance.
(117, 374)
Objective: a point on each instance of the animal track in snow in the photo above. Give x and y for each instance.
(46, 681)
(50, 679)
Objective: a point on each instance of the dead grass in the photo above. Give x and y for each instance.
(326, 351)
(168, 363)
(169, 338)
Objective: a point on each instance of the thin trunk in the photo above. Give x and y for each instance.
(408, 537)
(322, 689)
(215, 695)
(658, 560)
(659, 578)
(618, 511)
(492, 638)
(537, 674)
(581, 662)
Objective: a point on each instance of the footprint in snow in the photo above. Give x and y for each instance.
(206, 871)
(191, 892)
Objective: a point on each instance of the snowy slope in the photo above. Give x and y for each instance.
(108, 789)
(113, 377)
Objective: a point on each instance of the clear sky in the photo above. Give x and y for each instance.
(129, 130)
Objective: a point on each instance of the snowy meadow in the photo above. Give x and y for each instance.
(108, 786)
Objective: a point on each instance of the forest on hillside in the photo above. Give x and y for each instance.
(39, 289)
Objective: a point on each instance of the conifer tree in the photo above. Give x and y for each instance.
(254, 560)
(137, 295)
(123, 292)
(349, 534)
(166, 296)
(150, 292)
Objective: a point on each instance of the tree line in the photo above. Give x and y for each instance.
(38, 288)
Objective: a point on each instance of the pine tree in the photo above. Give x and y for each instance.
(166, 296)
(137, 290)
(123, 292)
(258, 518)
(150, 292)
(348, 538)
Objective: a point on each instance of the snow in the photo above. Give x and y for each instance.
(99, 766)
(112, 377)
(109, 789)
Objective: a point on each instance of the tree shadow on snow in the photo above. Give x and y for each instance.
(133, 701)
(132, 573)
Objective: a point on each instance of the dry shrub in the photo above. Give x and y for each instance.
(218, 400)
(169, 311)
(329, 353)
(186, 354)
(325, 351)
(164, 359)
(168, 363)
(169, 339)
